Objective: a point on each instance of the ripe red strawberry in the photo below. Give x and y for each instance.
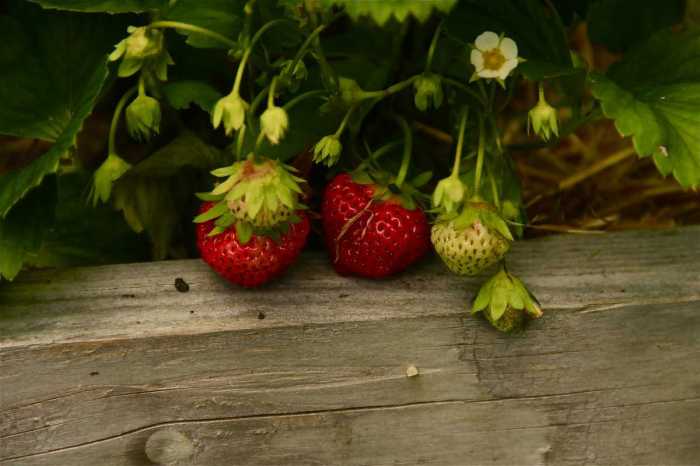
(371, 236)
(257, 261)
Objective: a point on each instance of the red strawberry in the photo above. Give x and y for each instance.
(257, 261)
(371, 236)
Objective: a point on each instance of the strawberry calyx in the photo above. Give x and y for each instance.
(385, 189)
(259, 196)
(506, 302)
(474, 211)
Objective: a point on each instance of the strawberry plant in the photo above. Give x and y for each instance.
(392, 120)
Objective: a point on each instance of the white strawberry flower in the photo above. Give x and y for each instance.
(494, 57)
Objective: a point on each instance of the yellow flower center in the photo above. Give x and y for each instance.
(493, 59)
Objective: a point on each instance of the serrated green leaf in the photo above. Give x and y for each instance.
(222, 16)
(654, 96)
(86, 235)
(382, 11)
(40, 98)
(181, 94)
(22, 231)
(103, 6)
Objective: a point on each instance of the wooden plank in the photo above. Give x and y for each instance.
(95, 360)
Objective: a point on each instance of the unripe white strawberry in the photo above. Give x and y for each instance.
(473, 241)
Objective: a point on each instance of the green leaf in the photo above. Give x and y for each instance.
(181, 94)
(50, 78)
(106, 6)
(156, 194)
(222, 16)
(83, 235)
(539, 32)
(382, 11)
(22, 231)
(214, 212)
(621, 24)
(654, 96)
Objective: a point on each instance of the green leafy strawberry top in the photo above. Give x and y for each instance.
(476, 210)
(259, 195)
(506, 301)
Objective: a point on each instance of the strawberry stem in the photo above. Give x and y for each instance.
(494, 190)
(433, 46)
(249, 50)
(480, 156)
(393, 89)
(460, 143)
(385, 149)
(307, 95)
(111, 144)
(192, 28)
(344, 123)
(271, 93)
(407, 150)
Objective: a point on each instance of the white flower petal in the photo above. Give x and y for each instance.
(477, 59)
(506, 69)
(489, 74)
(509, 48)
(487, 41)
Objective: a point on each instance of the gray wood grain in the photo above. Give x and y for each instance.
(94, 361)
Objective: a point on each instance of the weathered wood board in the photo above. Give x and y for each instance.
(93, 361)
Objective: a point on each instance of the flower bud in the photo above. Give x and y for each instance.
(448, 194)
(274, 123)
(428, 91)
(230, 109)
(143, 117)
(111, 170)
(142, 44)
(327, 150)
(543, 119)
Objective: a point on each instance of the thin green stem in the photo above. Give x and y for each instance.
(249, 50)
(382, 151)
(307, 95)
(271, 93)
(460, 143)
(310, 40)
(433, 47)
(407, 150)
(393, 89)
(344, 123)
(494, 190)
(240, 139)
(480, 156)
(192, 28)
(111, 142)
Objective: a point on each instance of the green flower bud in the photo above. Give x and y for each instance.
(327, 150)
(274, 123)
(543, 119)
(350, 92)
(142, 44)
(111, 170)
(230, 109)
(428, 91)
(143, 117)
(448, 194)
(506, 302)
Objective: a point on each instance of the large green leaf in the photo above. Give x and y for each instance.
(222, 16)
(105, 6)
(539, 32)
(654, 96)
(382, 11)
(22, 231)
(610, 22)
(156, 196)
(86, 235)
(52, 69)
